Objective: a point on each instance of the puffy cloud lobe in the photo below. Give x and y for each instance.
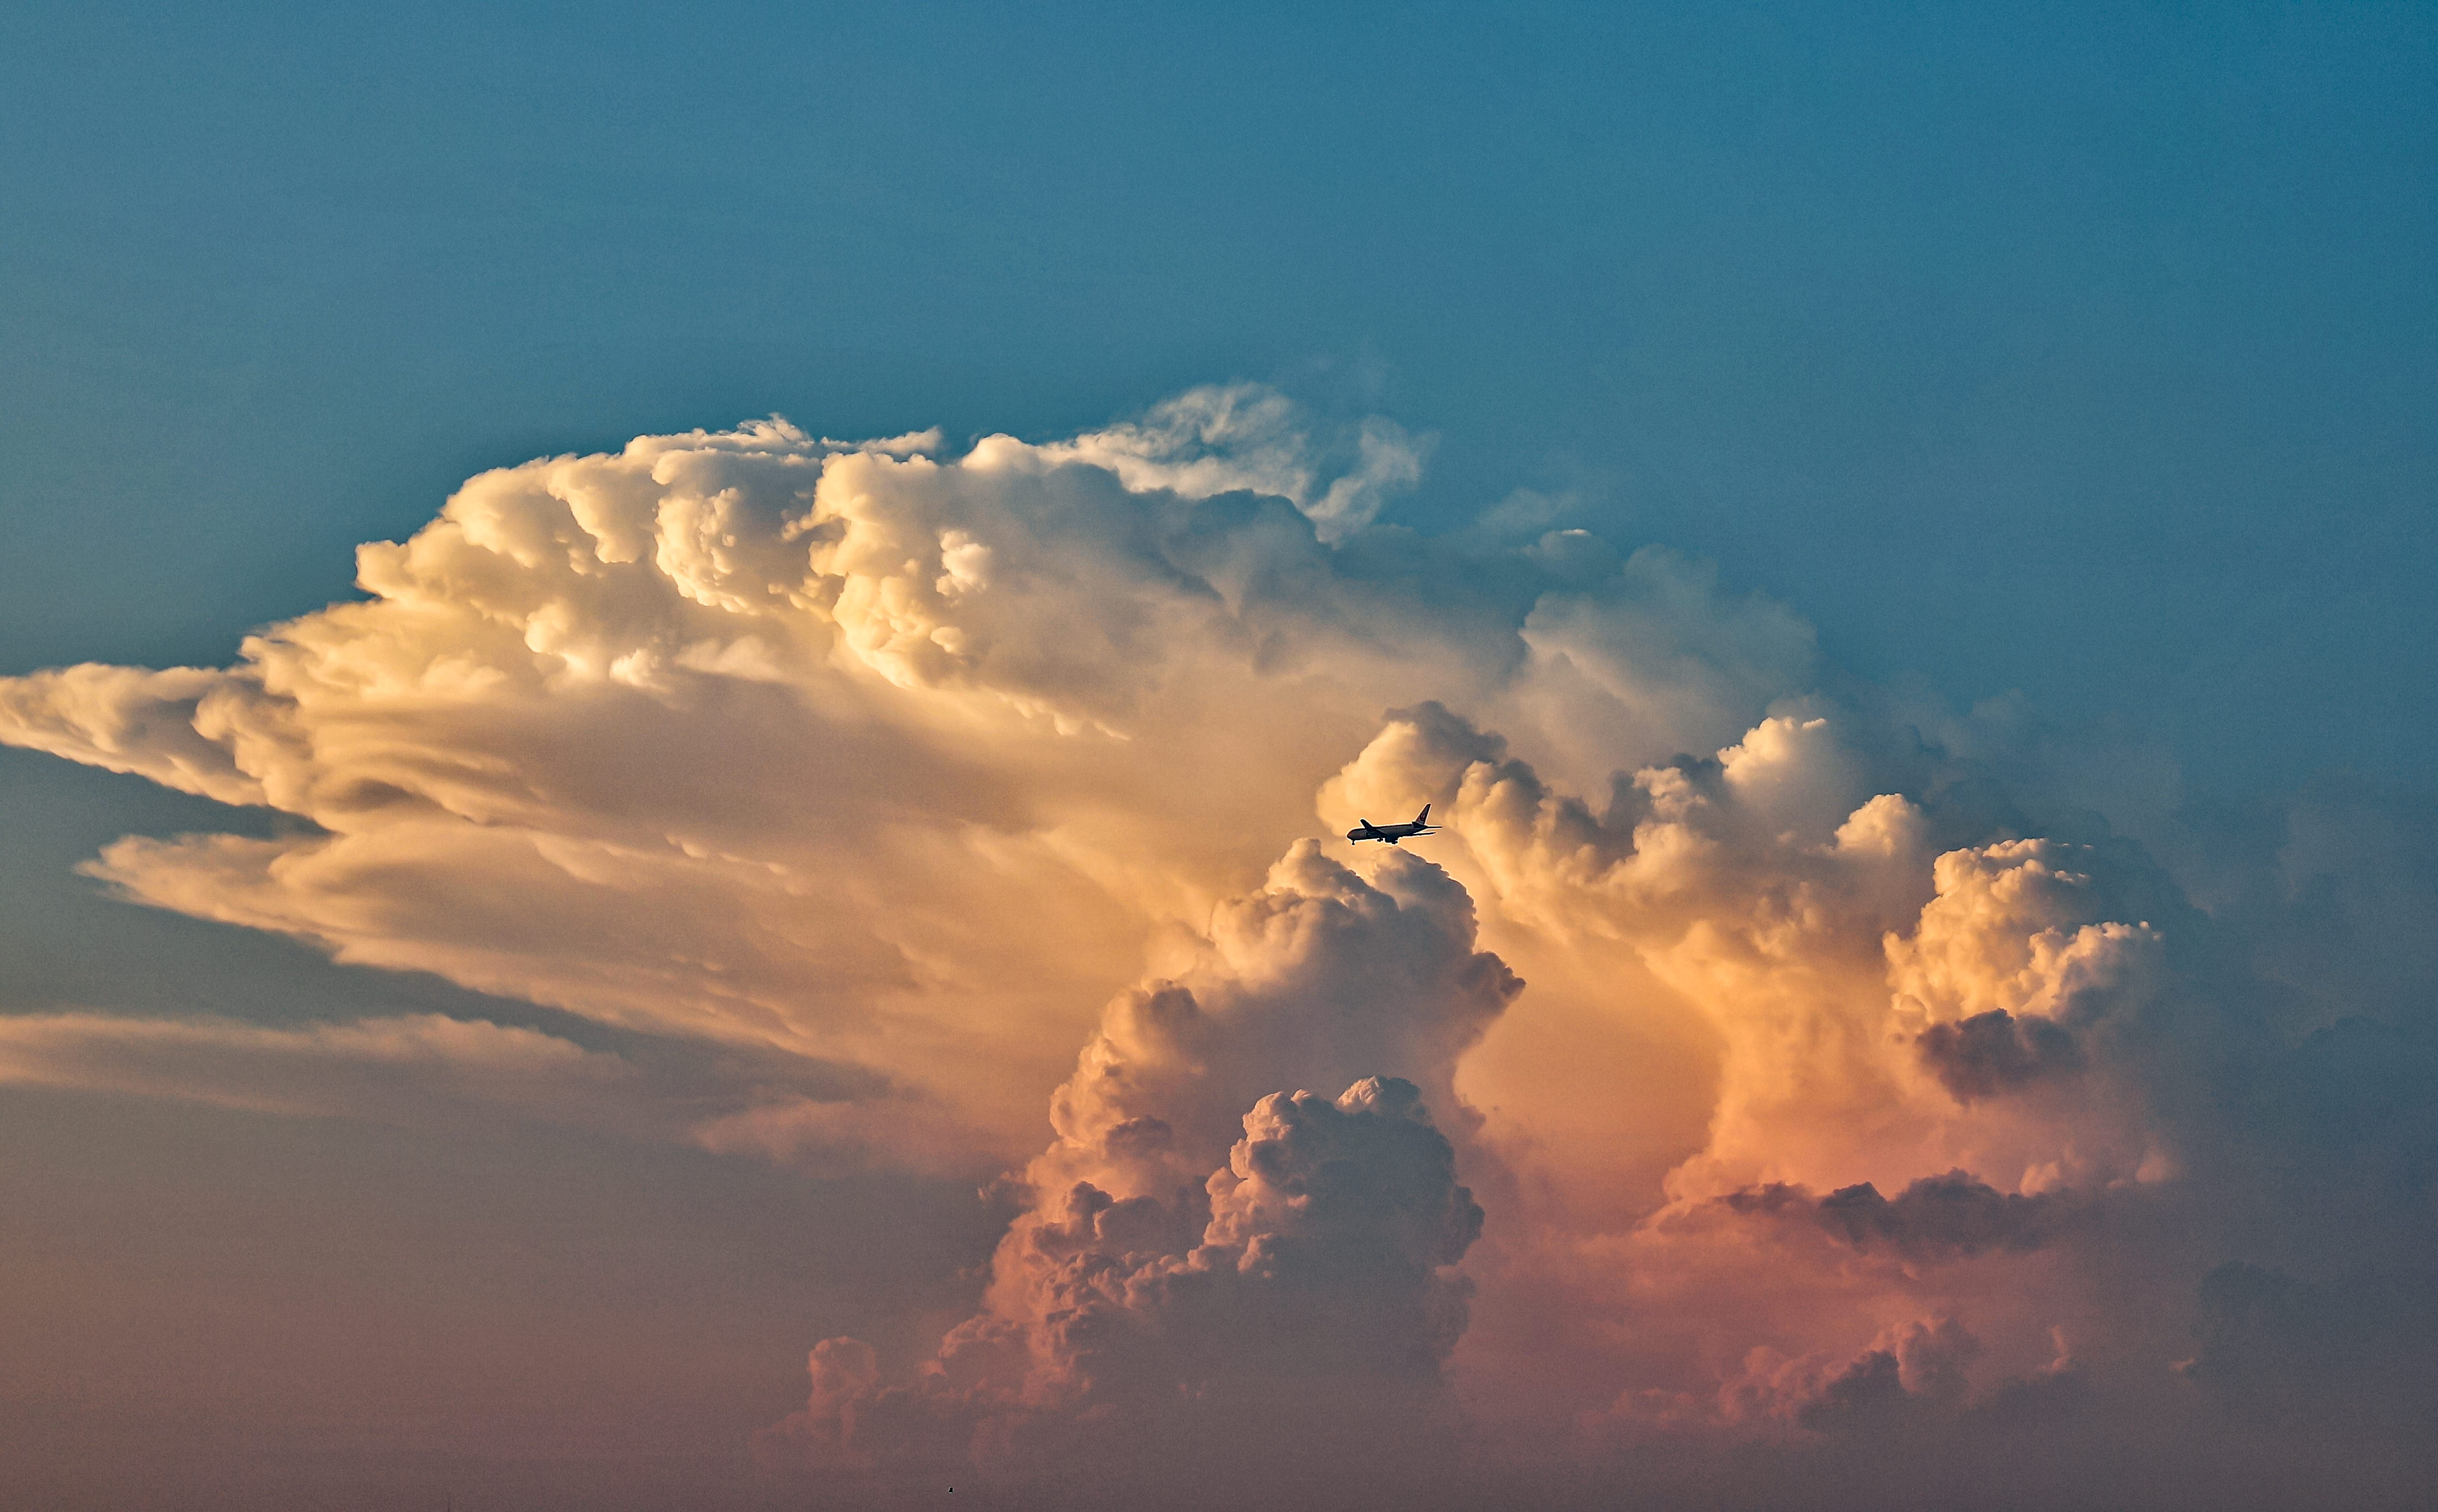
(1322, 1257)
(1320, 1293)
(2012, 931)
(1914, 1380)
(1319, 1252)
(1314, 1251)
(1939, 1217)
(1926, 1365)
(1320, 973)
(1994, 1052)
(1350, 1210)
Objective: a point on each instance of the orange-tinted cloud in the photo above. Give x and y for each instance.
(1865, 1080)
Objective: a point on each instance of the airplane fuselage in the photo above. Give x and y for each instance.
(1394, 833)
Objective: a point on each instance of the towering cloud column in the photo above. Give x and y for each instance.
(1302, 1291)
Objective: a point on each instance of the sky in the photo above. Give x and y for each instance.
(679, 691)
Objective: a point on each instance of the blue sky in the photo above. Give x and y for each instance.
(2081, 350)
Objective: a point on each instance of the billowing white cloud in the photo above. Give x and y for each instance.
(852, 752)
(1866, 1078)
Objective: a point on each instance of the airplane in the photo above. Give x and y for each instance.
(1393, 833)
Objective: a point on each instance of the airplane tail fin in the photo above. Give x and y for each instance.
(1424, 816)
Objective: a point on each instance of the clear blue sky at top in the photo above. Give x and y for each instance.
(2085, 350)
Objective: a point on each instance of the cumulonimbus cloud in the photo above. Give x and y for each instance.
(1858, 1049)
